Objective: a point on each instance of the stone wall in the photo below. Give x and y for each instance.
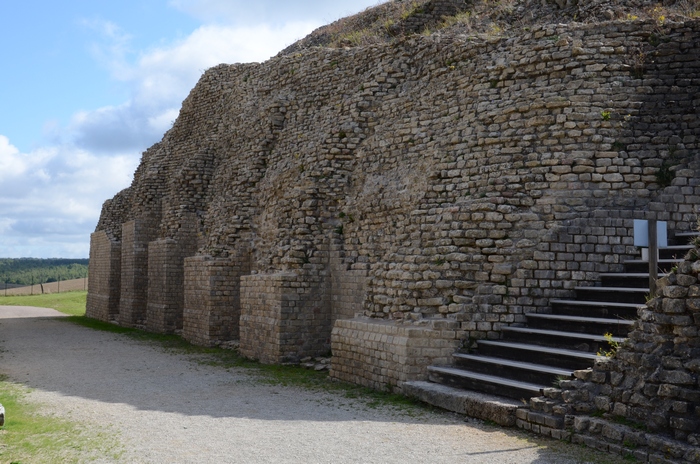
(134, 272)
(446, 177)
(212, 307)
(347, 285)
(164, 311)
(104, 270)
(284, 317)
(382, 355)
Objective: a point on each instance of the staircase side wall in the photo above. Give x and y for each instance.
(104, 273)
(383, 355)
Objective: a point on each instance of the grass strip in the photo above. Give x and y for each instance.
(31, 437)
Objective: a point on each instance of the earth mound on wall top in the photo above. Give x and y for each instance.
(481, 19)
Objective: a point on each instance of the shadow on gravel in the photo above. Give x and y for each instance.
(52, 354)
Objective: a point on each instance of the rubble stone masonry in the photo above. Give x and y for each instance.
(433, 179)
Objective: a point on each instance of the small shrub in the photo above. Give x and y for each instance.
(665, 174)
(605, 115)
(614, 346)
(619, 146)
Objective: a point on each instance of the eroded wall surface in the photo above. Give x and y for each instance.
(438, 177)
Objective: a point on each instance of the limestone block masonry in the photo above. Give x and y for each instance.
(382, 355)
(357, 199)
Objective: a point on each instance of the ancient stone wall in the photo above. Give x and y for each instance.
(105, 272)
(384, 355)
(212, 307)
(433, 177)
(136, 235)
(284, 316)
(347, 285)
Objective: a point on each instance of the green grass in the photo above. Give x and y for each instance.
(31, 437)
(71, 303)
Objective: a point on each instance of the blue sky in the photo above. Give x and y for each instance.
(86, 86)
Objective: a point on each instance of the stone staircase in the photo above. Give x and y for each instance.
(551, 347)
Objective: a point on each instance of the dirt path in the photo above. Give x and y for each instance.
(168, 408)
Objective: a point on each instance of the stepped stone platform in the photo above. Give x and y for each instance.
(473, 404)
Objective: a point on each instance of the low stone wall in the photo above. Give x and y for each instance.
(284, 316)
(105, 271)
(381, 354)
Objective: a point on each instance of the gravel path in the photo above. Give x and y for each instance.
(168, 408)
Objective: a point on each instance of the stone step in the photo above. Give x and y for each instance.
(674, 251)
(591, 343)
(580, 324)
(626, 279)
(604, 309)
(460, 378)
(517, 370)
(551, 356)
(638, 265)
(471, 403)
(686, 237)
(612, 294)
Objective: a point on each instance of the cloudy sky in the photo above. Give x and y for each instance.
(87, 85)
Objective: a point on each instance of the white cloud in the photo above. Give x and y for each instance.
(270, 11)
(52, 199)
(161, 78)
(114, 48)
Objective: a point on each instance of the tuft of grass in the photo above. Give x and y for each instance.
(29, 436)
(71, 303)
(665, 174)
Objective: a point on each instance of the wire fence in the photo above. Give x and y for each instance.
(40, 289)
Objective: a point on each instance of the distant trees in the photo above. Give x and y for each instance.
(28, 271)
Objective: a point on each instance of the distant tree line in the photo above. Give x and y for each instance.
(28, 271)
